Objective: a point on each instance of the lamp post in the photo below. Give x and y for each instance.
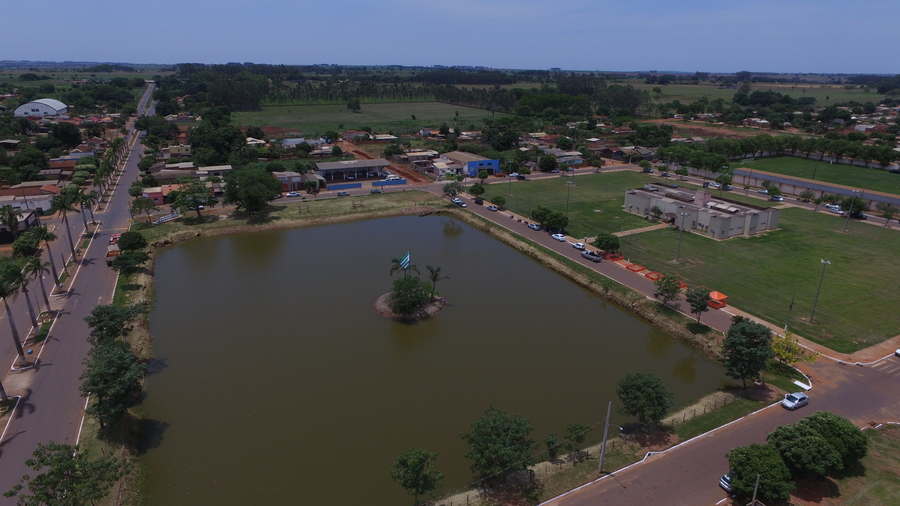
(569, 185)
(825, 263)
(683, 216)
(849, 212)
(509, 178)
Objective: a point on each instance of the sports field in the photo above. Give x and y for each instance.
(850, 175)
(857, 303)
(396, 117)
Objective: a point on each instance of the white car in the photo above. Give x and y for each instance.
(795, 400)
(292, 194)
(492, 208)
(458, 202)
(714, 184)
(559, 237)
(579, 246)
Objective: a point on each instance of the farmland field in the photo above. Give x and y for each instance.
(824, 94)
(849, 175)
(396, 117)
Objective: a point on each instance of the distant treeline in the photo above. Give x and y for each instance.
(883, 84)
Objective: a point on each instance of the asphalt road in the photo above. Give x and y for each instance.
(51, 408)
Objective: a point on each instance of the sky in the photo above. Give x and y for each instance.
(723, 36)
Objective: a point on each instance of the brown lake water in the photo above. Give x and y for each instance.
(274, 381)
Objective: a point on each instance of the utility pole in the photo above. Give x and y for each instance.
(825, 263)
(605, 434)
(790, 308)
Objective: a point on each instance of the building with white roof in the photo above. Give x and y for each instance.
(41, 107)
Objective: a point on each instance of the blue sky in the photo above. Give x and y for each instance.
(818, 36)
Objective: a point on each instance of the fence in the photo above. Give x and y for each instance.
(344, 186)
(389, 183)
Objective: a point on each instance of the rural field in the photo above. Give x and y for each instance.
(760, 274)
(396, 117)
(849, 175)
(824, 94)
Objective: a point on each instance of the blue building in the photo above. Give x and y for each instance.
(471, 163)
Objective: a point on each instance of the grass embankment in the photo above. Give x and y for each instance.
(381, 117)
(848, 175)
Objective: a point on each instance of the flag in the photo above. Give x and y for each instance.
(404, 262)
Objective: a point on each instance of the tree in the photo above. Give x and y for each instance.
(805, 452)
(21, 279)
(554, 445)
(452, 189)
(645, 164)
(67, 133)
(788, 350)
(656, 211)
(667, 289)
(62, 203)
(482, 175)
(112, 375)
(499, 445)
(748, 462)
(397, 265)
(132, 240)
(540, 214)
(10, 272)
(547, 163)
(144, 205)
(255, 132)
(854, 205)
(88, 200)
(846, 439)
(127, 263)
(746, 349)
(643, 395)
(337, 151)
(499, 201)
(807, 195)
(111, 322)
(556, 221)
(887, 211)
(476, 190)
(681, 171)
(575, 435)
(434, 275)
(36, 269)
(607, 242)
(46, 236)
(193, 195)
(69, 478)
(698, 299)
(9, 217)
(413, 470)
(408, 295)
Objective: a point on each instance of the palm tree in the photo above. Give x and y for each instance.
(36, 268)
(88, 201)
(434, 275)
(397, 266)
(22, 281)
(45, 235)
(9, 217)
(9, 287)
(63, 204)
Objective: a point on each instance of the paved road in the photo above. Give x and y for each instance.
(51, 408)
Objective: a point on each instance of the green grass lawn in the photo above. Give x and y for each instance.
(860, 177)
(595, 200)
(383, 117)
(760, 274)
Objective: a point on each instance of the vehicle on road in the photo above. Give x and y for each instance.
(375, 190)
(713, 184)
(836, 210)
(763, 191)
(514, 174)
(559, 237)
(897, 352)
(579, 246)
(391, 177)
(777, 198)
(277, 196)
(534, 226)
(478, 201)
(665, 174)
(725, 482)
(458, 202)
(343, 194)
(292, 194)
(492, 208)
(590, 255)
(859, 216)
(795, 400)
(520, 177)
(554, 171)
(648, 170)
(727, 187)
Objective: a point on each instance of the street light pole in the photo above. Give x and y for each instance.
(605, 434)
(569, 184)
(683, 216)
(825, 263)
(849, 211)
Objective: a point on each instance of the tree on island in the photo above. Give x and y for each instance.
(413, 470)
(434, 275)
(409, 294)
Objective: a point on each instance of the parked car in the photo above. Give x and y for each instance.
(725, 482)
(836, 210)
(579, 246)
(763, 191)
(375, 190)
(665, 174)
(534, 226)
(348, 177)
(795, 400)
(713, 184)
(559, 237)
(859, 216)
(292, 194)
(727, 187)
(343, 194)
(777, 198)
(492, 208)
(554, 171)
(648, 170)
(520, 177)
(458, 202)
(478, 201)
(514, 174)
(590, 255)
(277, 196)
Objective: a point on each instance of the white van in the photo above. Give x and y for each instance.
(391, 177)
